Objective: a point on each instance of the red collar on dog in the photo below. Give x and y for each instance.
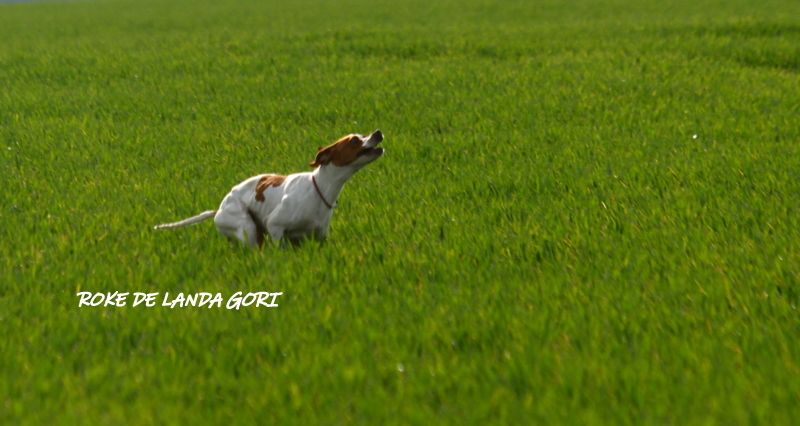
(314, 181)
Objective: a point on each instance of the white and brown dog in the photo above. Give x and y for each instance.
(291, 207)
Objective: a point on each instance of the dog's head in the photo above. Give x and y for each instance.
(352, 151)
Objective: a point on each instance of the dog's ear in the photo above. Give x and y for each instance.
(323, 157)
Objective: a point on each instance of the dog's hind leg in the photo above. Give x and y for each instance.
(259, 233)
(249, 234)
(235, 222)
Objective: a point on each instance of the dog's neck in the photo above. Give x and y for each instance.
(330, 180)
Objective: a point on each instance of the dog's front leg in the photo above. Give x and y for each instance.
(320, 234)
(275, 231)
(279, 221)
(278, 234)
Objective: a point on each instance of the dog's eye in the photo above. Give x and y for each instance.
(354, 141)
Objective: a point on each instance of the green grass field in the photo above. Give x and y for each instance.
(587, 213)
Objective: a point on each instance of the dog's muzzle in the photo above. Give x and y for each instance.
(371, 146)
(376, 136)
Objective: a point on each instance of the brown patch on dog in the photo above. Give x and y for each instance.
(265, 182)
(341, 153)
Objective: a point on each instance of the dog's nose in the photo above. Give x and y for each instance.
(377, 135)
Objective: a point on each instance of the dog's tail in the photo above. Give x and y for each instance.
(192, 220)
